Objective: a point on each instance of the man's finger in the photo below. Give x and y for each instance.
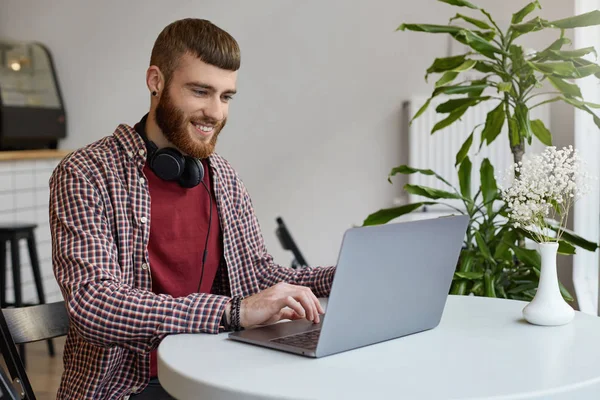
(318, 307)
(288, 313)
(294, 305)
(308, 305)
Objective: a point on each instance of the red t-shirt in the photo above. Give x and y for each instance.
(178, 228)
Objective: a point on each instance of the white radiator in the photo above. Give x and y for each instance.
(438, 151)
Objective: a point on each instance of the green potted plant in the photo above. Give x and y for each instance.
(494, 261)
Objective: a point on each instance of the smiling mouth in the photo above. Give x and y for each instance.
(204, 130)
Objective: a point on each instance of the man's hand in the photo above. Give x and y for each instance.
(281, 301)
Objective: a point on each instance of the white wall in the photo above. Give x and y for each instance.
(315, 128)
(587, 140)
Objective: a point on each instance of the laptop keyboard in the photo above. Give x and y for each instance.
(305, 340)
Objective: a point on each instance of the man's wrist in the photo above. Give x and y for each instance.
(226, 317)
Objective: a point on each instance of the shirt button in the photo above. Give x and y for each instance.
(142, 153)
(142, 181)
(143, 220)
(144, 266)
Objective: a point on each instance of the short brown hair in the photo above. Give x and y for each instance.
(200, 38)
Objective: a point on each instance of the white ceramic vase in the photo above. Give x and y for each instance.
(548, 307)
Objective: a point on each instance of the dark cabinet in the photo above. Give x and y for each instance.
(32, 114)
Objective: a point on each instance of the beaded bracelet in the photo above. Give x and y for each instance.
(234, 322)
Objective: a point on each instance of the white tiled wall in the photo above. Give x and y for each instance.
(24, 198)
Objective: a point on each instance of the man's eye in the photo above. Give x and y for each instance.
(228, 97)
(200, 92)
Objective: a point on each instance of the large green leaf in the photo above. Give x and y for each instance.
(454, 104)
(584, 107)
(569, 54)
(460, 3)
(508, 238)
(533, 25)
(582, 62)
(522, 13)
(421, 110)
(579, 21)
(566, 248)
(489, 188)
(477, 22)
(452, 117)
(464, 177)
(464, 149)
(477, 43)
(573, 238)
(587, 70)
(469, 275)
(430, 28)
(385, 215)
(446, 64)
(429, 192)
(529, 257)
(490, 289)
(541, 132)
(522, 118)
(483, 247)
(505, 87)
(565, 293)
(513, 131)
(406, 170)
(448, 77)
(484, 66)
(465, 265)
(548, 53)
(564, 69)
(568, 89)
(465, 66)
(493, 124)
(460, 89)
(478, 84)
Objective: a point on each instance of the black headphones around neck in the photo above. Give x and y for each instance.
(169, 164)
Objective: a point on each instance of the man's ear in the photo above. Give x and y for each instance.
(154, 79)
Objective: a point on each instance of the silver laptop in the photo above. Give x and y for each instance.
(391, 281)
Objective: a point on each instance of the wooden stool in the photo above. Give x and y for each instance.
(13, 233)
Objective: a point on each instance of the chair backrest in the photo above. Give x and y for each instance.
(288, 243)
(38, 322)
(25, 325)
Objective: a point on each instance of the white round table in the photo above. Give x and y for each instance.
(482, 349)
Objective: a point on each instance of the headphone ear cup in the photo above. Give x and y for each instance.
(168, 164)
(192, 174)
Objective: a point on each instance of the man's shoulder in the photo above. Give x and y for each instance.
(101, 154)
(227, 172)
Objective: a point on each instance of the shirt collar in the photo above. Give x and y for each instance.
(130, 139)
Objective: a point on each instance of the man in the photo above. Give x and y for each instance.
(155, 234)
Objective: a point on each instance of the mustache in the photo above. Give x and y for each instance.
(206, 121)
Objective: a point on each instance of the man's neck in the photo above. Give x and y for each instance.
(154, 133)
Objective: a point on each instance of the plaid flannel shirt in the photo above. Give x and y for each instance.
(100, 225)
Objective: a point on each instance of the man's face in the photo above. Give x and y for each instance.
(193, 109)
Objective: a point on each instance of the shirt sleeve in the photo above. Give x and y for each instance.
(102, 308)
(319, 278)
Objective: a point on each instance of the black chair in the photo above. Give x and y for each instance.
(26, 325)
(13, 234)
(288, 243)
(7, 390)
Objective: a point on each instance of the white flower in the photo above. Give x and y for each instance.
(546, 186)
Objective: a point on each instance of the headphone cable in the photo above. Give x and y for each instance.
(207, 235)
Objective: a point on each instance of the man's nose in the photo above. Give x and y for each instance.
(215, 109)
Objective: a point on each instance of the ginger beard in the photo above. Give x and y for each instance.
(178, 128)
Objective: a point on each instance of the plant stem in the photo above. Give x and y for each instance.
(540, 94)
